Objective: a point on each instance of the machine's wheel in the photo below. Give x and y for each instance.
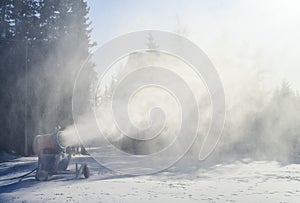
(41, 175)
(86, 171)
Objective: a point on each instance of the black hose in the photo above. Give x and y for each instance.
(22, 176)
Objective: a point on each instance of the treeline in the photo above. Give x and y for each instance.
(263, 127)
(43, 44)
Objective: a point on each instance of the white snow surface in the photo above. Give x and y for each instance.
(240, 181)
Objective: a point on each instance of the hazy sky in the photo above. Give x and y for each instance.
(255, 40)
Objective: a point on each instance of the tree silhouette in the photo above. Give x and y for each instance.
(42, 46)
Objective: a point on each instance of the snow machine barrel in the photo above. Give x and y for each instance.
(49, 143)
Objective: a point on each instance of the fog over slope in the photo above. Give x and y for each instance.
(254, 50)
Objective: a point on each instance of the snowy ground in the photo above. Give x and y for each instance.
(237, 182)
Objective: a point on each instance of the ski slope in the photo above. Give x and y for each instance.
(256, 181)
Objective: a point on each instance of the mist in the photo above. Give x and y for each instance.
(259, 125)
(253, 48)
(149, 101)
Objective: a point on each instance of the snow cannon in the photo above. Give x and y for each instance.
(53, 157)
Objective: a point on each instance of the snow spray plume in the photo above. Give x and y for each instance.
(150, 114)
(262, 122)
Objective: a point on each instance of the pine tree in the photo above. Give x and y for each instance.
(43, 44)
(151, 43)
(6, 34)
(6, 8)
